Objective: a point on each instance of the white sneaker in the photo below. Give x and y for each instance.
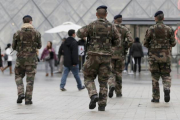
(131, 73)
(125, 71)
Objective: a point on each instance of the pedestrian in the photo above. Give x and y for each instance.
(48, 55)
(159, 40)
(82, 43)
(118, 58)
(8, 58)
(101, 34)
(61, 56)
(26, 41)
(137, 54)
(70, 48)
(1, 64)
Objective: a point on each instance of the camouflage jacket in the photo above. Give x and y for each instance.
(159, 36)
(26, 41)
(159, 40)
(127, 41)
(102, 36)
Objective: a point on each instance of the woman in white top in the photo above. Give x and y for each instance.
(9, 58)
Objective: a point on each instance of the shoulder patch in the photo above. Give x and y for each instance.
(81, 30)
(17, 33)
(151, 27)
(168, 27)
(125, 28)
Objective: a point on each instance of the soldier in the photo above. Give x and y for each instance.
(159, 39)
(118, 58)
(26, 41)
(101, 35)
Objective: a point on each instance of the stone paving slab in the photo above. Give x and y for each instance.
(49, 103)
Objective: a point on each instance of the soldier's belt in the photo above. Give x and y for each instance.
(160, 46)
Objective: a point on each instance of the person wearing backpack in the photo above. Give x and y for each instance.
(25, 42)
(8, 58)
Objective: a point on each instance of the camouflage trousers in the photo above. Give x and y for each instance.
(160, 69)
(115, 79)
(20, 71)
(97, 65)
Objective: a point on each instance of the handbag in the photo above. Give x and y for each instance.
(47, 57)
(5, 57)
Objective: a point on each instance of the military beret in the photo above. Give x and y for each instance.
(27, 16)
(158, 13)
(102, 7)
(117, 16)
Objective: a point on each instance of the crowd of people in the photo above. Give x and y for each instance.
(107, 45)
(49, 57)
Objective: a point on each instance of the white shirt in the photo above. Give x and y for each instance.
(8, 52)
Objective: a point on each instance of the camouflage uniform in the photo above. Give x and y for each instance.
(102, 35)
(25, 42)
(159, 39)
(118, 58)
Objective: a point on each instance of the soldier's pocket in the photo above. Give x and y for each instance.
(166, 68)
(31, 69)
(107, 46)
(17, 70)
(87, 63)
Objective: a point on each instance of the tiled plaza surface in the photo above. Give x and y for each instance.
(49, 103)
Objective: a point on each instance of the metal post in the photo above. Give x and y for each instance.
(177, 61)
(131, 71)
(146, 63)
(81, 63)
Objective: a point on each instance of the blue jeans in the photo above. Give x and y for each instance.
(75, 71)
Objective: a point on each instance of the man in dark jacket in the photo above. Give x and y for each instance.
(70, 48)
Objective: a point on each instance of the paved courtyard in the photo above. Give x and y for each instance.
(49, 103)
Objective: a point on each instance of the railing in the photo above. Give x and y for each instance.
(175, 62)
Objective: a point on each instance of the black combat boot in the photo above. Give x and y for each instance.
(28, 102)
(101, 108)
(20, 98)
(119, 95)
(155, 100)
(111, 90)
(166, 95)
(94, 99)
